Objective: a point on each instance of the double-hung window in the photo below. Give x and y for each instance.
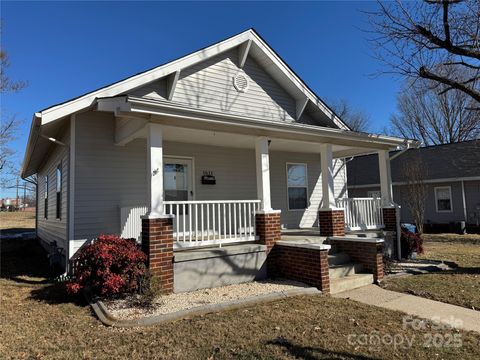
(58, 190)
(443, 198)
(297, 186)
(45, 195)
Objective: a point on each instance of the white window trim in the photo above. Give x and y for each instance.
(306, 185)
(450, 197)
(59, 167)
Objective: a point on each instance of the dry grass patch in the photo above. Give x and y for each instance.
(19, 220)
(42, 322)
(460, 286)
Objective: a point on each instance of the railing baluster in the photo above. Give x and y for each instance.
(235, 220)
(201, 219)
(244, 221)
(229, 221)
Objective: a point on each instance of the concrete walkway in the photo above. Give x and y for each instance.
(456, 316)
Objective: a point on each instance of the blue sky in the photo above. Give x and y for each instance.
(66, 49)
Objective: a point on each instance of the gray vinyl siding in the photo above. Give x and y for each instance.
(109, 177)
(52, 229)
(472, 199)
(209, 86)
(106, 176)
(472, 196)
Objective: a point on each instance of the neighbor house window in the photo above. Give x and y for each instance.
(58, 190)
(374, 194)
(297, 186)
(443, 198)
(45, 194)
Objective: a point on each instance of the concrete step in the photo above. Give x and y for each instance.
(350, 282)
(365, 234)
(338, 271)
(338, 259)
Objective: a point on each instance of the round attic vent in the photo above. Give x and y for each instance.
(240, 82)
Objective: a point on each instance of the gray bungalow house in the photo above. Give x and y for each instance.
(208, 160)
(452, 172)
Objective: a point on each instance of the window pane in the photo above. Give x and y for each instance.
(296, 175)
(46, 187)
(443, 194)
(59, 180)
(444, 205)
(297, 198)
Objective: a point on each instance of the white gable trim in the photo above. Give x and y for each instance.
(244, 41)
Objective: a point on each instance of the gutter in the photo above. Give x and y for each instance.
(32, 141)
(410, 144)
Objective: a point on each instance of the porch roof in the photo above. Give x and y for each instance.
(200, 126)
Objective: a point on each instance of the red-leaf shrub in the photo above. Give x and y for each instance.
(411, 242)
(108, 266)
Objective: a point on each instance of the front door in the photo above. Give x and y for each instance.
(178, 186)
(177, 179)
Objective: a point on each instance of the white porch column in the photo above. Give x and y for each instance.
(263, 173)
(385, 178)
(328, 199)
(155, 170)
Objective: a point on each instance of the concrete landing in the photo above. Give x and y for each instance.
(457, 316)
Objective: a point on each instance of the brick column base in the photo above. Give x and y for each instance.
(369, 254)
(268, 229)
(157, 243)
(306, 265)
(390, 218)
(331, 222)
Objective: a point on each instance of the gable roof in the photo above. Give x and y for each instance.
(249, 39)
(447, 161)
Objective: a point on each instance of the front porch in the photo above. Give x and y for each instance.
(197, 243)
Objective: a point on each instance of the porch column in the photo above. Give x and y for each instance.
(330, 218)
(390, 211)
(157, 228)
(385, 178)
(263, 173)
(155, 169)
(267, 220)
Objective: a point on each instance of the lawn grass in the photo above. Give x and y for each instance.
(42, 322)
(460, 286)
(18, 220)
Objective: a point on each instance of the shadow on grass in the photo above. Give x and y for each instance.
(55, 294)
(313, 353)
(25, 262)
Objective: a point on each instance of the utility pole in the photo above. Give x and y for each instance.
(16, 204)
(24, 195)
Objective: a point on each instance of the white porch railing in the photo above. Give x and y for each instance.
(199, 223)
(362, 213)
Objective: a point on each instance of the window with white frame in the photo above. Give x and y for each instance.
(297, 190)
(58, 191)
(45, 194)
(443, 198)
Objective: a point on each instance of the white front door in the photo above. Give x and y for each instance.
(178, 179)
(178, 186)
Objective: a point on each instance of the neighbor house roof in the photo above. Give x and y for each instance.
(442, 162)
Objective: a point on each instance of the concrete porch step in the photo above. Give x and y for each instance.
(365, 234)
(338, 271)
(350, 282)
(338, 259)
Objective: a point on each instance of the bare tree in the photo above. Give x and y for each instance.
(414, 174)
(431, 39)
(9, 124)
(356, 120)
(434, 117)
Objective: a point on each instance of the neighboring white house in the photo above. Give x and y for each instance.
(231, 131)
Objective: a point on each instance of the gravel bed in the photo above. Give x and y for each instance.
(126, 309)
